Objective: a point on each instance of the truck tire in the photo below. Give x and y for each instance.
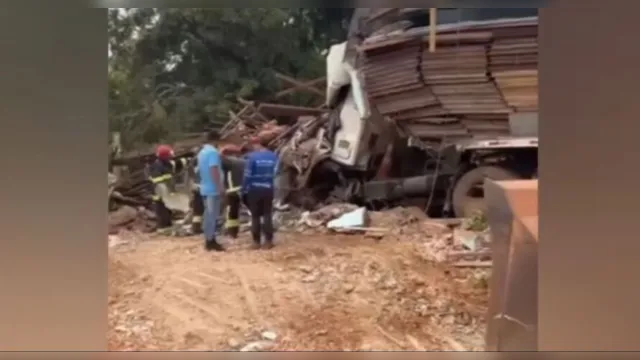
(465, 202)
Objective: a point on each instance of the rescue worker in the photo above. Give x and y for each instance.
(258, 188)
(161, 174)
(197, 204)
(233, 168)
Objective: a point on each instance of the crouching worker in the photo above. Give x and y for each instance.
(258, 189)
(161, 174)
(211, 189)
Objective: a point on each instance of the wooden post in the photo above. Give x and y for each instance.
(433, 21)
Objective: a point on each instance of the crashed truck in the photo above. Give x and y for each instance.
(411, 126)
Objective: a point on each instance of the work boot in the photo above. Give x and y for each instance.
(255, 245)
(268, 245)
(213, 245)
(233, 232)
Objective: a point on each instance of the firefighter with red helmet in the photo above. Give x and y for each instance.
(197, 203)
(233, 169)
(161, 173)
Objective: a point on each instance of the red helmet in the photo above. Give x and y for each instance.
(231, 149)
(255, 140)
(164, 152)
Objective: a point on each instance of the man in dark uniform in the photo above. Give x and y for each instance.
(197, 204)
(258, 187)
(233, 168)
(161, 174)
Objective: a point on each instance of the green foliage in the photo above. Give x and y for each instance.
(477, 222)
(180, 70)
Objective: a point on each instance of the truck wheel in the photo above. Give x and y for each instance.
(468, 193)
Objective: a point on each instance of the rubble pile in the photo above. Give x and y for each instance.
(130, 203)
(239, 132)
(271, 121)
(131, 190)
(445, 240)
(131, 218)
(462, 243)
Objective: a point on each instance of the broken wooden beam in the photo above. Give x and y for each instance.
(473, 264)
(252, 106)
(303, 85)
(280, 110)
(481, 255)
(298, 85)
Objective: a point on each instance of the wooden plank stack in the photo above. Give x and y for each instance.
(513, 64)
(477, 76)
(403, 76)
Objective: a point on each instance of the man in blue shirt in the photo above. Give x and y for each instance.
(257, 188)
(211, 188)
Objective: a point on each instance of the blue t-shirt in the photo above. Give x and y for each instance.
(207, 158)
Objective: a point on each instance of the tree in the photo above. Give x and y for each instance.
(180, 70)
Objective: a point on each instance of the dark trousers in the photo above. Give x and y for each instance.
(163, 215)
(260, 202)
(197, 207)
(232, 221)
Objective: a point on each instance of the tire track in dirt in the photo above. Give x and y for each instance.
(316, 292)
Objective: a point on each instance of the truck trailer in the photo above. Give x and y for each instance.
(409, 124)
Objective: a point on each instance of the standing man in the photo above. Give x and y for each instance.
(211, 188)
(197, 204)
(258, 188)
(233, 168)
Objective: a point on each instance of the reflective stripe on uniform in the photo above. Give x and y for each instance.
(197, 219)
(230, 179)
(231, 188)
(161, 178)
(231, 223)
(155, 197)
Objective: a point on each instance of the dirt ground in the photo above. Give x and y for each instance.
(311, 292)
